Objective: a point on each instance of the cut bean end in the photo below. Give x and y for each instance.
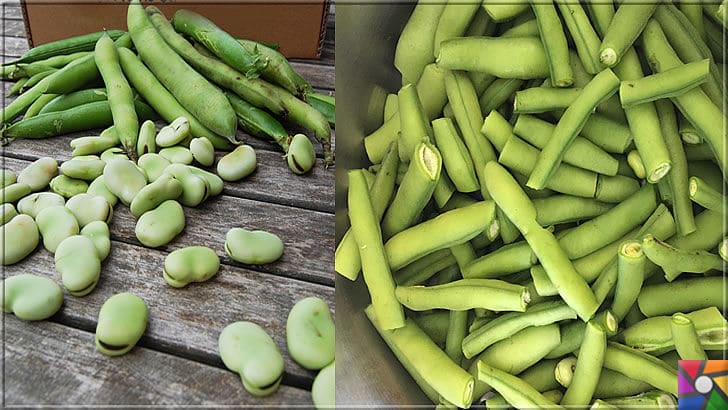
(608, 57)
(659, 172)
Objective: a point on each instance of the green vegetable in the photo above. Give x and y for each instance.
(122, 322)
(31, 297)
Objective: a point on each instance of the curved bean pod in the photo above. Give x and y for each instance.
(585, 38)
(626, 25)
(516, 57)
(415, 47)
(686, 338)
(640, 366)
(516, 392)
(675, 261)
(554, 43)
(465, 294)
(665, 84)
(455, 155)
(414, 127)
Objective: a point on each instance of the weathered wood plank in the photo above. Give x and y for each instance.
(50, 364)
(185, 322)
(272, 182)
(13, 28)
(308, 235)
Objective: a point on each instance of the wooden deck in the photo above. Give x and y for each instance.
(54, 362)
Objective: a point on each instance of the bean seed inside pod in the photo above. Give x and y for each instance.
(190, 264)
(122, 322)
(124, 179)
(34, 203)
(253, 247)
(237, 164)
(161, 225)
(18, 239)
(88, 208)
(310, 333)
(55, 224)
(323, 390)
(78, 264)
(247, 349)
(39, 173)
(31, 297)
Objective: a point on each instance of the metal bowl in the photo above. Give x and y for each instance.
(367, 373)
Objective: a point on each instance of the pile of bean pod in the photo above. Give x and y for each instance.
(155, 173)
(543, 223)
(218, 83)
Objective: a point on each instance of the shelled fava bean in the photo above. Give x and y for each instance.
(589, 158)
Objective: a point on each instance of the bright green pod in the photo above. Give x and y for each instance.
(253, 247)
(238, 164)
(161, 225)
(194, 187)
(301, 156)
(112, 153)
(247, 349)
(122, 322)
(674, 261)
(465, 294)
(153, 165)
(455, 155)
(56, 223)
(67, 186)
(177, 155)
(203, 152)
(164, 188)
(98, 188)
(78, 264)
(323, 390)
(14, 192)
(34, 203)
(215, 184)
(19, 238)
(98, 232)
(515, 57)
(87, 167)
(124, 179)
(7, 212)
(686, 338)
(190, 264)
(311, 333)
(414, 127)
(174, 133)
(88, 208)
(7, 177)
(94, 145)
(146, 142)
(31, 297)
(39, 173)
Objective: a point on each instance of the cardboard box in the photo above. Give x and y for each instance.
(298, 27)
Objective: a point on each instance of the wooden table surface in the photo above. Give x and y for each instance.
(54, 362)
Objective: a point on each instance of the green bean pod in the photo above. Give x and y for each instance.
(588, 367)
(640, 366)
(537, 100)
(465, 294)
(278, 70)
(609, 135)
(415, 190)
(512, 258)
(206, 102)
(414, 127)
(681, 296)
(415, 47)
(596, 91)
(34, 109)
(455, 155)
(447, 229)
(81, 118)
(516, 57)
(630, 275)
(585, 38)
(554, 43)
(346, 259)
(376, 269)
(36, 79)
(653, 335)
(65, 101)
(675, 261)
(425, 361)
(498, 93)
(219, 42)
(686, 338)
(705, 196)
(666, 84)
(581, 153)
(66, 46)
(626, 25)
(453, 22)
(419, 271)
(515, 391)
(678, 177)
